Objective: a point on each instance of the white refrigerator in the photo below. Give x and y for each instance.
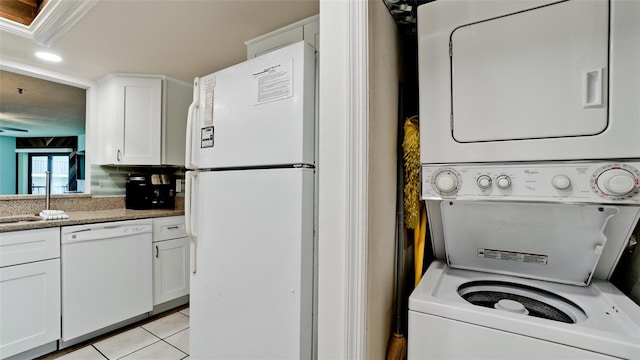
(249, 206)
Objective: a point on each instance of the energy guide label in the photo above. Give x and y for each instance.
(513, 256)
(273, 83)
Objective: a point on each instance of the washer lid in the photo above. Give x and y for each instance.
(553, 242)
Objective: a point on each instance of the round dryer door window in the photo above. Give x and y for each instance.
(521, 299)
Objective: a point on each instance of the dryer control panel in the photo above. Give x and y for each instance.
(591, 182)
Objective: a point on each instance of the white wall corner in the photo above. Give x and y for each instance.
(357, 177)
(343, 171)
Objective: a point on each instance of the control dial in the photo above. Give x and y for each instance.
(484, 181)
(561, 182)
(503, 182)
(446, 181)
(616, 182)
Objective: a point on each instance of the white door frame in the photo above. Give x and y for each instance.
(343, 172)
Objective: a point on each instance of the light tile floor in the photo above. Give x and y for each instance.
(165, 338)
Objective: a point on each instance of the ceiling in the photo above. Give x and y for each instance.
(178, 38)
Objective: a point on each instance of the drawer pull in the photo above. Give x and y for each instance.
(157, 252)
(175, 227)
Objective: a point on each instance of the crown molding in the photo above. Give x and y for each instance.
(55, 19)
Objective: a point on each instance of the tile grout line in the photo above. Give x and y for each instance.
(175, 347)
(133, 352)
(100, 352)
(165, 340)
(157, 337)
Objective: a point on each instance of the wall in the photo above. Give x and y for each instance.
(7, 164)
(627, 274)
(333, 109)
(384, 75)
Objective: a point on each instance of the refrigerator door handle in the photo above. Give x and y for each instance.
(188, 163)
(188, 218)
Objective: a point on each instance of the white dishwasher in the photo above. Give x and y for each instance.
(106, 275)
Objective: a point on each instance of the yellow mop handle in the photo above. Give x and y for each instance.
(419, 235)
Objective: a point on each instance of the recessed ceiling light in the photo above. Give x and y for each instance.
(48, 56)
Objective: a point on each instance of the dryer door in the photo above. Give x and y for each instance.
(538, 73)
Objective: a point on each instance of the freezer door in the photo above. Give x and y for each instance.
(259, 112)
(251, 296)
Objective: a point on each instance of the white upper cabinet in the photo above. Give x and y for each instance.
(142, 120)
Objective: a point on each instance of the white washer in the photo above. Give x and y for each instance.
(521, 248)
(444, 325)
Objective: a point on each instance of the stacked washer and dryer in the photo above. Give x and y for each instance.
(530, 153)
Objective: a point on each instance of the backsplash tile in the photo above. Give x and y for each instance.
(112, 180)
(108, 189)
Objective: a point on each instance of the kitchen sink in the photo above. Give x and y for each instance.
(18, 219)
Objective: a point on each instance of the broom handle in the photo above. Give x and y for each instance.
(400, 247)
(399, 215)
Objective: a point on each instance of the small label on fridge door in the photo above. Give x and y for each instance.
(513, 256)
(273, 83)
(206, 137)
(209, 87)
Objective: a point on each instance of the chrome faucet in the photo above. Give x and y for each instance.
(47, 189)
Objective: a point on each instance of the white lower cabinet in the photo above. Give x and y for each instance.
(170, 259)
(29, 292)
(170, 270)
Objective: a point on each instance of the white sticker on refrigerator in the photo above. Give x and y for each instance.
(513, 256)
(209, 86)
(273, 83)
(206, 137)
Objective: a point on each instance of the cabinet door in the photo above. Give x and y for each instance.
(170, 269)
(29, 306)
(137, 120)
(177, 98)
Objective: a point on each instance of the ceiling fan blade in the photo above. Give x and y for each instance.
(7, 128)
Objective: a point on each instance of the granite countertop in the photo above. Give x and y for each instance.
(88, 217)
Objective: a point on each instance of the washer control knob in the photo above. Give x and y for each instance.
(483, 181)
(446, 181)
(616, 182)
(503, 181)
(561, 182)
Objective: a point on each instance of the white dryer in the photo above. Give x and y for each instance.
(529, 80)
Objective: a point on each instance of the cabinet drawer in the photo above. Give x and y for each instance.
(166, 228)
(29, 245)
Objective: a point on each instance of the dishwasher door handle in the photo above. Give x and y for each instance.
(105, 232)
